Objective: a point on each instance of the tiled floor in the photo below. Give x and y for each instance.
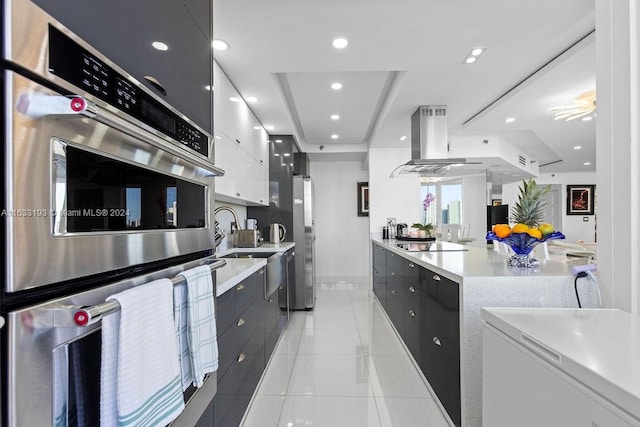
(342, 365)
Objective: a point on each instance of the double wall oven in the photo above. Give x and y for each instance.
(106, 186)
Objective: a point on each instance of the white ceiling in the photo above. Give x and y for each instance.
(406, 53)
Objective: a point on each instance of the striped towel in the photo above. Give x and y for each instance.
(201, 323)
(140, 372)
(180, 321)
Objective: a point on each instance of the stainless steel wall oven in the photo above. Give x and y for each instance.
(106, 186)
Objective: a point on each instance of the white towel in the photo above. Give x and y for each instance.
(140, 373)
(201, 321)
(180, 321)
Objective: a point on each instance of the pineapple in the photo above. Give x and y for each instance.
(529, 208)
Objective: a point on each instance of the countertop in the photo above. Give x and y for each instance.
(265, 247)
(238, 269)
(599, 348)
(474, 262)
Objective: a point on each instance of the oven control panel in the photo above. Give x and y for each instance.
(72, 62)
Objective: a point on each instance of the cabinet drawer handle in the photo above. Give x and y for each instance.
(436, 278)
(412, 289)
(412, 313)
(393, 273)
(240, 322)
(237, 140)
(261, 201)
(394, 292)
(280, 288)
(260, 272)
(436, 341)
(240, 287)
(393, 255)
(237, 194)
(261, 161)
(241, 357)
(270, 300)
(412, 265)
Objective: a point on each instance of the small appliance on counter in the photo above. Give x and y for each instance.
(277, 233)
(401, 230)
(247, 239)
(252, 224)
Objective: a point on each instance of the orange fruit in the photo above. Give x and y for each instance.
(534, 232)
(520, 228)
(502, 230)
(545, 228)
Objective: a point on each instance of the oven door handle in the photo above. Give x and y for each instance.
(39, 105)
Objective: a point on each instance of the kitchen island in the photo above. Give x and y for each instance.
(434, 301)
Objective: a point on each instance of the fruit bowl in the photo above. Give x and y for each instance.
(522, 244)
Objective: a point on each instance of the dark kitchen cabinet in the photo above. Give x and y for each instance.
(424, 308)
(184, 70)
(280, 210)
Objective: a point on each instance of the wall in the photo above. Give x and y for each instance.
(342, 237)
(572, 226)
(391, 197)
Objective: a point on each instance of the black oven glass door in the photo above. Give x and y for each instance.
(95, 193)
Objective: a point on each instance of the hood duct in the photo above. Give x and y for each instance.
(429, 145)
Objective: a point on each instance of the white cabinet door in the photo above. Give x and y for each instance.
(231, 115)
(259, 142)
(226, 155)
(260, 185)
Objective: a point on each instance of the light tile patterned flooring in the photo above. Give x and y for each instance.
(342, 365)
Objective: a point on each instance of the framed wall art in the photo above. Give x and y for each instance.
(580, 199)
(363, 199)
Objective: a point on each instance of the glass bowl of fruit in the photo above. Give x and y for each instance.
(522, 239)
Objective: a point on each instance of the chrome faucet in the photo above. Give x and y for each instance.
(228, 209)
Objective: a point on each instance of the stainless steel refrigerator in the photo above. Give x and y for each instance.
(303, 293)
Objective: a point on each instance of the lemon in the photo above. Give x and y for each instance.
(545, 228)
(534, 232)
(520, 228)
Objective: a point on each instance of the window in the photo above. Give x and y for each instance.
(445, 206)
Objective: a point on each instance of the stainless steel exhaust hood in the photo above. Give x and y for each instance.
(429, 145)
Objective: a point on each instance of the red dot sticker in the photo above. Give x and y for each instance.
(77, 104)
(80, 318)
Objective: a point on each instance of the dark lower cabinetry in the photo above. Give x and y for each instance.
(424, 308)
(249, 324)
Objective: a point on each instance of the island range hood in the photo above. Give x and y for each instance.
(429, 145)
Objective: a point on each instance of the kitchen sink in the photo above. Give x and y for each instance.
(277, 277)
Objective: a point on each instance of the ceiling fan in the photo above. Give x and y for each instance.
(583, 105)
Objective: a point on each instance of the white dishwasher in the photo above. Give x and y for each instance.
(560, 367)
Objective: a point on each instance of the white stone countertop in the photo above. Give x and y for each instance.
(236, 270)
(265, 247)
(599, 348)
(474, 262)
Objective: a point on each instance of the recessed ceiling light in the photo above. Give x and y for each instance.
(269, 127)
(586, 119)
(287, 154)
(477, 51)
(207, 87)
(234, 99)
(336, 86)
(256, 127)
(587, 163)
(160, 45)
(403, 137)
(470, 60)
(510, 120)
(218, 44)
(276, 154)
(577, 147)
(291, 164)
(252, 99)
(340, 43)
(218, 137)
(334, 136)
(335, 117)
(278, 141)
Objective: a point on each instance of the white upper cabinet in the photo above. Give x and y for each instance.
(241, 147)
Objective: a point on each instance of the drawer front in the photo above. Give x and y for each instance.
(411, 272)
(379, 258)
(413, 300)
(225, 312)
(235, 337)
(412, 336)
(396, 289)
(248, 290)
(241, 363)
(440, 311)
